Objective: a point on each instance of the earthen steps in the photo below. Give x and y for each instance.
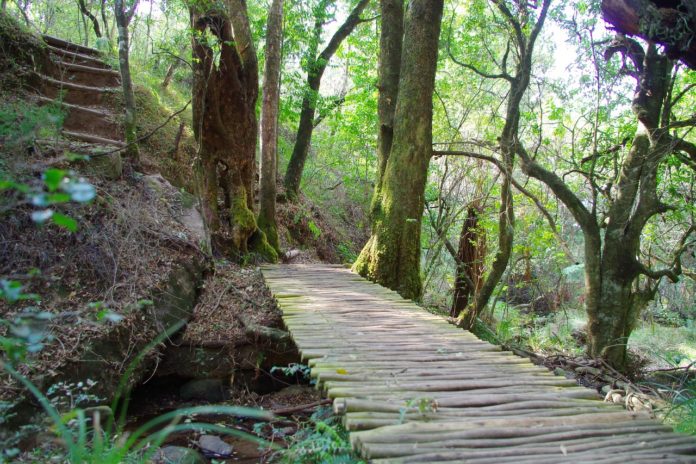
(98, 121)
(76, 94)
(84, 84)
(60, 43)
(69, 56)
(88, 75)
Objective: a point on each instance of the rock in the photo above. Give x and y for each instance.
(108, 166)
(290, 255)
(588, 370)
(203, 389)
(213, 446)
(560, 372)
(605, 389)
(177, 455)
(174, 303)
(183, 206)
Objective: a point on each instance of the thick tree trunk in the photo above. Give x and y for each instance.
(315, 71)
(123, 18)
(669, 23)
(390, 45)
(470, 256)
(269, 124)
(392, 255)
(224, 119)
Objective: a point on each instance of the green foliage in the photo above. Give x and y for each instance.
(346, 254)
(322, 441)
(682, 413)
(21, 123)
(301, 371)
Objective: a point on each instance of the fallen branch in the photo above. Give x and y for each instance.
(303, 407)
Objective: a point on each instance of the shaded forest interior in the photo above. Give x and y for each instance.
(524, 170)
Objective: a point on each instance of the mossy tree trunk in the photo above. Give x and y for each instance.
(225, 91)
(124, 14)
(316, 66)
(392, 255)
(269, 124)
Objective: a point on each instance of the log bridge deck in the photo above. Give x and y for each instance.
(413, 388)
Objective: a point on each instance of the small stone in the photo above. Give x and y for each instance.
(214, 446)
(559, 372)
(177, 455)
(606, 389)
(617, 398)
(203, 389)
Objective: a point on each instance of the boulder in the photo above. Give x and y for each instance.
(213, 446)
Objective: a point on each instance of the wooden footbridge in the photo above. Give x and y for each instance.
(413, 388)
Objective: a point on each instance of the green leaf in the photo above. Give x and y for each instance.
(52, 178)
(65, 222)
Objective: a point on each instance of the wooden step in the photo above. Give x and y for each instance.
(89, 75)
(64, 44)
(69, 56)
(81, 136)
(74, 93)
(96, 121)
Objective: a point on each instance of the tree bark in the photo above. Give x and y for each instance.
(269, 124)
(170, 73)
(315, 71)
(672, 24)
(470, 256)
(390, 45)
(92, 18)
(392, 255)
(123, 18)
(225, 91)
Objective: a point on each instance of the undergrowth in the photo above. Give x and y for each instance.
(322, 440)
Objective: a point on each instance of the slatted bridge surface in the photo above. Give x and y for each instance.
(414, 388)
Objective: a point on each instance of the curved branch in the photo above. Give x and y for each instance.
(545, 212)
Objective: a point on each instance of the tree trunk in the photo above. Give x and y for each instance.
(92, 18)
(611, 262)
(315, 71)
(170, 73)
(470, 256)
(392, 255)
(224, 120)
(269, 124)
(390, 45)
(123, 18)
(105, 21)
(671, 24)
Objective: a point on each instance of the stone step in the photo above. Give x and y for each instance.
(64, 44)
(88, 75)
(68, 56)
(73, 93)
